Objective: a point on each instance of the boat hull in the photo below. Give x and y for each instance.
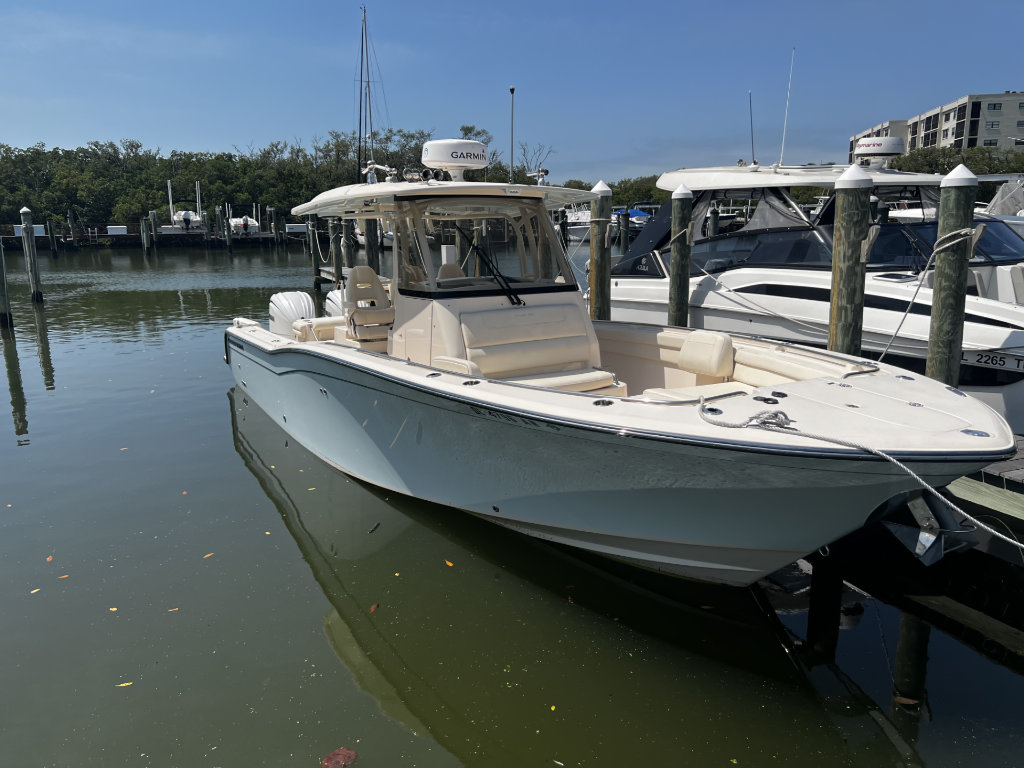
(728, 513)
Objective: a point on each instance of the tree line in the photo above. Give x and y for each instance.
(121, 182)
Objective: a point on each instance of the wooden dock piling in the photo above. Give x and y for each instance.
(6, 318)
(348, 243)
(957, 193)
(624, 230)
(51, 236)
(853, 217)
(600, 253)
(28, 240)
(372, 235)
(147, 243)
(334, 232)
(679, 269)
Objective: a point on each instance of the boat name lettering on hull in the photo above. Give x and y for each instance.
(512, 418)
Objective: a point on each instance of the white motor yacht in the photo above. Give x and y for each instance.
(769, 272)
(474, 377)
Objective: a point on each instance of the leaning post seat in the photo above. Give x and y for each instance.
(368, 310)
(550, 346)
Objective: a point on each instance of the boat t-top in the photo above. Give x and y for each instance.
(474, 377)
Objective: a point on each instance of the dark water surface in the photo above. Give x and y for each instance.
(184, 585)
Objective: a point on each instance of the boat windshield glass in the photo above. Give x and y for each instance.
(908, 245)
(448, 246)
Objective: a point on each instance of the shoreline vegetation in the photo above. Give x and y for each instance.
(119, 183)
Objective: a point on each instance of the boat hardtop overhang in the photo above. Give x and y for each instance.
(773, 176)
(370, 200)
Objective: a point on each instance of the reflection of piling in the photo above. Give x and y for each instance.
(908, 683)
(43, 345)
(600, 253)
(679, 263)
(18, 408)
(846, 322)
(6, 318)
(949, 294)
(823, 610)
(28, 240)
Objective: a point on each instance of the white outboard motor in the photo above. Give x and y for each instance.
(334, 303)
(287, 307)
(454, 156)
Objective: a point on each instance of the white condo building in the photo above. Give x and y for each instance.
(976, 120)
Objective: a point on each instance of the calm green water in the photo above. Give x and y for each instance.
(270, 610)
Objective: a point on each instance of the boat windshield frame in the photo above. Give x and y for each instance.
(514, 250)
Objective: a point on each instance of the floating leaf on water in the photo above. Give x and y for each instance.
(123, 685)
(311, 489)
(49, 558)
(64, 576)
(374, 607)
(184, 493)
(208, 554)
(113, 610)
(34, 591)
(171, 610)
(448, 563)
(339, 758)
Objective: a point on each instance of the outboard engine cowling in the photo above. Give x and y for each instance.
(287, 307)
(334, 303)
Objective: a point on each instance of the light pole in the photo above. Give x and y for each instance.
(512, 134)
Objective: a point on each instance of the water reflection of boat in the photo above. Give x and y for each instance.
(507, 652)
(481, 383)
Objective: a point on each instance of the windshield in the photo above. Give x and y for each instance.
(447, 246)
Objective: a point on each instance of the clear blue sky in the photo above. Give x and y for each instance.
(615, 89)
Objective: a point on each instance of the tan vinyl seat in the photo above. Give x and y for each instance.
(368, 309)
(450, 270)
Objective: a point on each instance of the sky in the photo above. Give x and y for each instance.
(614, 90)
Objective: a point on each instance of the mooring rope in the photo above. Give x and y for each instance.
(319, 250)
(779, 421)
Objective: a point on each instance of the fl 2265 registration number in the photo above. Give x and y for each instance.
(993, 360)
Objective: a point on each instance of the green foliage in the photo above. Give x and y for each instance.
(636, 190)
(121, 182)
(980, 160)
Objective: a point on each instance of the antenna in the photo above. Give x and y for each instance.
(785, 120)
(512, 134)
(750, 100)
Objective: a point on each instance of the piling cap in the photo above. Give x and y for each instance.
(25, 210)
(602, 189)
(960, 176)
(682, 192)
(854, 177)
